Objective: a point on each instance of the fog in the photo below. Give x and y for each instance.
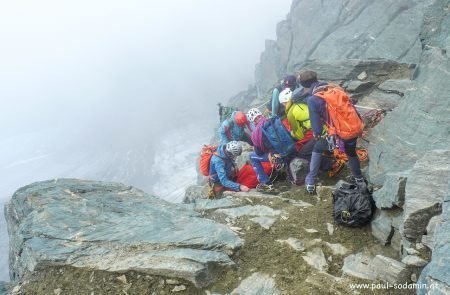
(120, 90)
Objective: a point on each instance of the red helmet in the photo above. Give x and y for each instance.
(240, 118)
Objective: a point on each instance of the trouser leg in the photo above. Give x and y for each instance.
(353, 160)
(256, 160)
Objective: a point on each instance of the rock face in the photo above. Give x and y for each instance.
(437, 272)
(108, 226)
(423, 201)
(257, 284)
(345, 29)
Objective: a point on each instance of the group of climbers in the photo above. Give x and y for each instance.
(307, 118)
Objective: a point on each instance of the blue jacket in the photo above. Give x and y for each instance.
(229, 130)
(221, 169)
(317, 110)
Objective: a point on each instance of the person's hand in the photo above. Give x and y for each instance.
(244, 188)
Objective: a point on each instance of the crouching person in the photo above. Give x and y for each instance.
(223, 170)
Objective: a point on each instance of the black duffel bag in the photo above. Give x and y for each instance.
(351, 207)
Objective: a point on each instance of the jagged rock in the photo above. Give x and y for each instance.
(337, 249)
(437, 272)
(357, 265)
(393, 191)
(396, 240)
(294, 243)
(316, 259)
(416, 126)
(205, 204)
(358, 86)
(298, 168)
(362, 76)
(348, 69)
(242, 99)
(423, 201)
(258, 210)
(299, 203)
(414, 260)
(381, 100)
(384, 224)
(257, 284)
(428, 239)
(265, 222)
(195, 192)
(390, 270)
(113, 227)
(397, 86)
(312, 243)
(348, 30)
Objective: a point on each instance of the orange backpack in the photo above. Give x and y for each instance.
(205, 158)
(343, 120)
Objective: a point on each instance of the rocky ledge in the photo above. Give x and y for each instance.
(77, 226)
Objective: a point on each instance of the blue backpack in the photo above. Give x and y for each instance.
(278, 137)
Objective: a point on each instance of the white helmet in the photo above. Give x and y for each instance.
(252, 114)
(285, 95)
(234, 148)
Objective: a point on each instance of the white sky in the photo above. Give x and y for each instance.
(94, 61)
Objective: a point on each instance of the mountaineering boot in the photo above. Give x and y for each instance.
(314, 165)
(310, 188)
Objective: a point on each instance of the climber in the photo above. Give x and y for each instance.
(298, 119)
(300, 125)
(223, 169)
(274, 106)
(271, 143)
(233, 128)
(323, 138)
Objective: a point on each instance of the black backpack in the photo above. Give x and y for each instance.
(352, 208)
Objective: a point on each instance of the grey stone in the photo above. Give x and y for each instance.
(418, 125)
(195, 192)
(423, 201)
(358, 86)
(397, 86)
(396, 241)
(348, 30)
(296, 244)
(257, 284)
(298, 169)
(316, 259)
(311, 230)
(337, 249)
(205, 204)
(357, 265)
(362, 76)
(265, 222)
(437, 272)
(428, 239)
(112, 227)
(381, 100)
(384, 223)
(390, 270)
(348, 69)
(414, 260)
(393, 191)
(258, 210)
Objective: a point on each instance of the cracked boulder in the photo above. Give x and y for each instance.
(112, 227)
(425, 191)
